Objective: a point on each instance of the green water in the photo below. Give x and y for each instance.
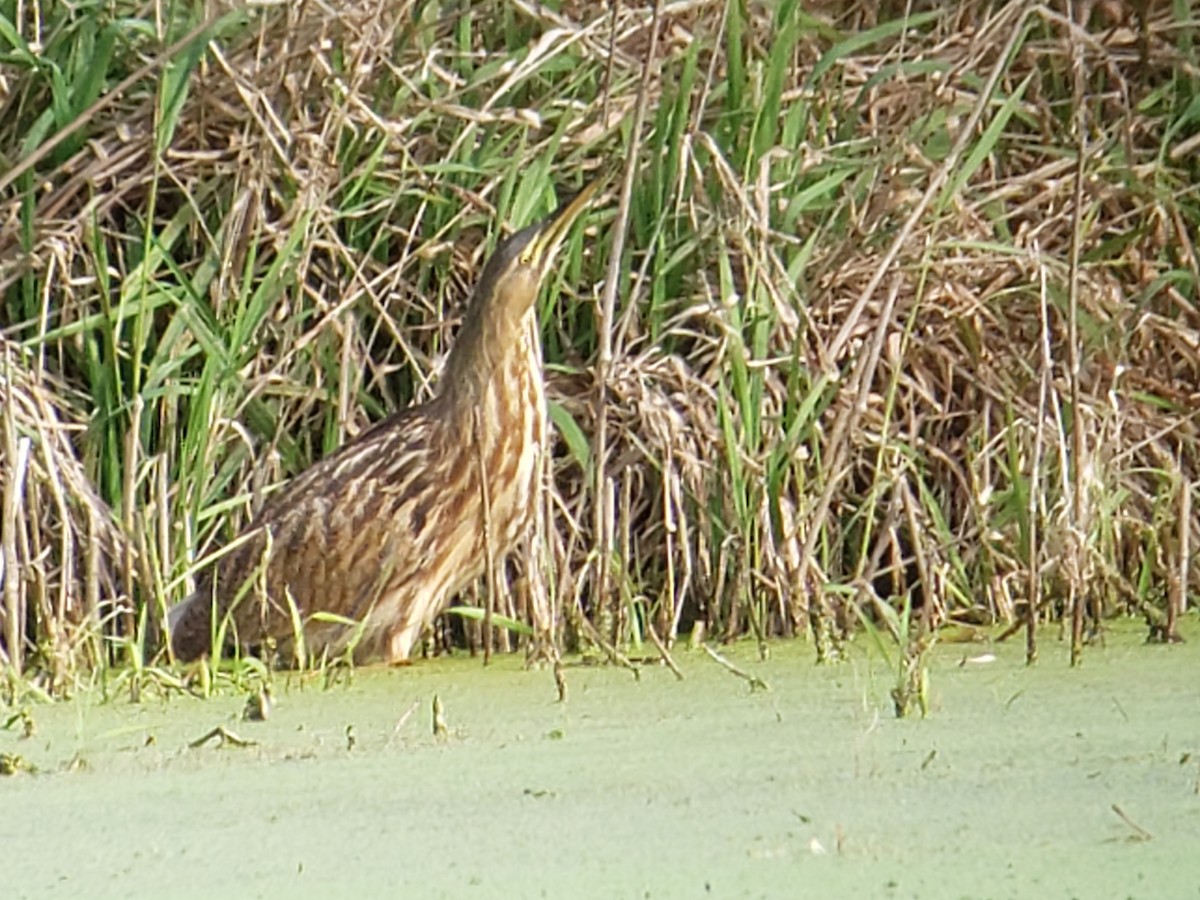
(661, 788)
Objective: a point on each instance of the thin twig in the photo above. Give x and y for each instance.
(754, 681)
(663, 651)
(1139, 833)
(403, 720)
(224, 736)
(615, 656)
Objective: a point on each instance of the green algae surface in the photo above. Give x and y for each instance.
(1022, 782)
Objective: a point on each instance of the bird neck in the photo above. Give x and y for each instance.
(492, 352)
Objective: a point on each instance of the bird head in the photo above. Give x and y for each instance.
(517, 268)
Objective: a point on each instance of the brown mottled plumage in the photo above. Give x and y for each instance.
(387, 529)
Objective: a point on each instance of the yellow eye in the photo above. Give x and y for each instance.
(526, 258)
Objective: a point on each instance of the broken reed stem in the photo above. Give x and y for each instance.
(440, 729)
(403, 720)
(615, 656)
(1139, 833)
(754, 681)
(223, 736)
(662, 650)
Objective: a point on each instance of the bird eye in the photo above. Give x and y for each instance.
(527, 256)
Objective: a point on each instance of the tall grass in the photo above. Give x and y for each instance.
(836, 369)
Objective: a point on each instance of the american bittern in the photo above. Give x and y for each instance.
(386, 530)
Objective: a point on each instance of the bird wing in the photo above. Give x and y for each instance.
(334, 537)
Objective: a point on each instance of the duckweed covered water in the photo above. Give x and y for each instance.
(655, 788)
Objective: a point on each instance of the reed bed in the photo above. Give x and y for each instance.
(890, 315)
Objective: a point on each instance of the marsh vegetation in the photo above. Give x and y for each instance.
(891, 314)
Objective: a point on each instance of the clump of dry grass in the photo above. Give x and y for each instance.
(61, 547)
(906, 309)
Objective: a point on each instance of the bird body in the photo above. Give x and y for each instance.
(369, 544)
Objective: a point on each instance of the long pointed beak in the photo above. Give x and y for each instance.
(553, 231)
